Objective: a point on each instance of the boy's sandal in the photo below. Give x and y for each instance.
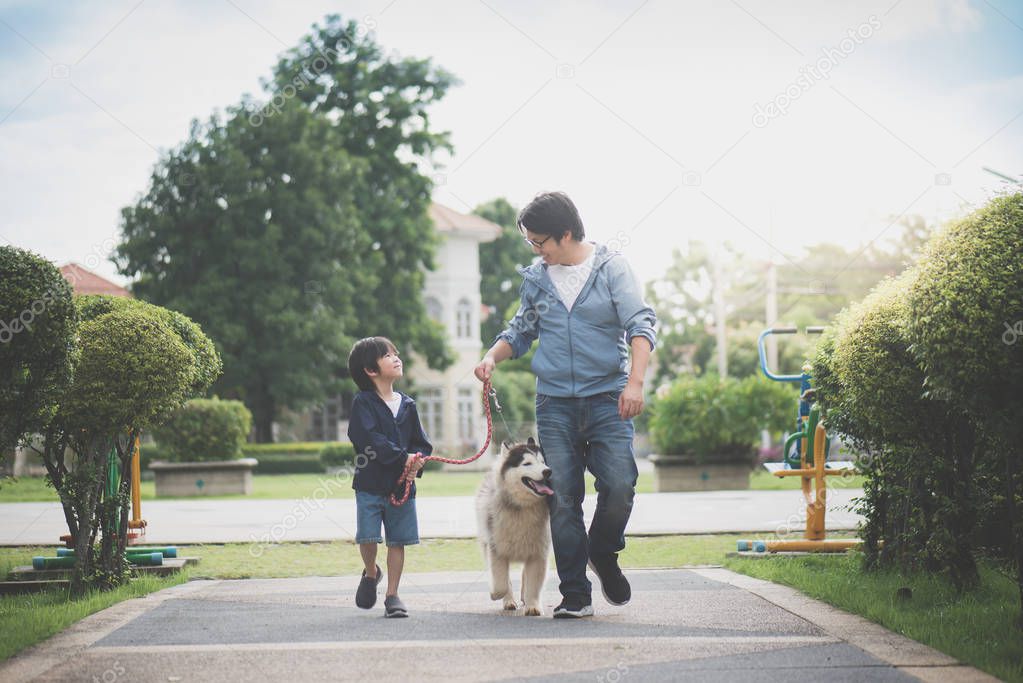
(366, 595)
(394, 607)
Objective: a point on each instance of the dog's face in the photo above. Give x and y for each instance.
(524, 469)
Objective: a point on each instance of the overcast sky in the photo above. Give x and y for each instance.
(662, 119)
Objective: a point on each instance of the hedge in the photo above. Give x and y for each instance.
(966, 324)
(719, 418)
(337, 455)
(918, 498)
(300, 457)
(303, 463)
(253, 450)
(926, 375)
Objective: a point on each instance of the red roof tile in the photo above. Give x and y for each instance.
(84, 281)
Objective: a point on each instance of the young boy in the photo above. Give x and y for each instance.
(384, 427)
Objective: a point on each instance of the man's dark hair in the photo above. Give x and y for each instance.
(552, 213)
(366, 355)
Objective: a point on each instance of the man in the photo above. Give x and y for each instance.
(584, 304)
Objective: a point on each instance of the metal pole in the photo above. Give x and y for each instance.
(771, 313)
(720, 316)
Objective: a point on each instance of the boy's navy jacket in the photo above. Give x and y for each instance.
(383, 441)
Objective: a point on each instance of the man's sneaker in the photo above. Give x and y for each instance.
(366, 595)
(613, 584)
(573, 608)
(394, 607)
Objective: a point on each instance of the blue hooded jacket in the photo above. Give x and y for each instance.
(584, 351)
(383, 442)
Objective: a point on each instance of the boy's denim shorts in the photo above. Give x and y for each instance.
(400, 524)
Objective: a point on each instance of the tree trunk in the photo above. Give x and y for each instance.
(54, 447)
(263, 410)
(88, 526)
(1015, 524)
(959, 483)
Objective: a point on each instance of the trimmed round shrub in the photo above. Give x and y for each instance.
(967, 312)
(205, 429)
(868, 382)
(207, 364)
(133, 370)
(38, 322)
(714, 418)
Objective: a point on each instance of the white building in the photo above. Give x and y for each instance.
(450, 402)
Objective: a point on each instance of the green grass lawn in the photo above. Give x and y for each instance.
(975, 628)
(448, 483)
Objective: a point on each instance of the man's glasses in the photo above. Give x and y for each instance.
(534, 243)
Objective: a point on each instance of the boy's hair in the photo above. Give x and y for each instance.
(366, 355)
(552, 213)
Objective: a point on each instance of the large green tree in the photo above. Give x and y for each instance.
(296, 225)
(249, 227)
(379, 107)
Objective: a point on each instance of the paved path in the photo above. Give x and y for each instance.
(682, 625)
(320, 517)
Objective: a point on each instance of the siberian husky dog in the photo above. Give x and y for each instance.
(514, 523)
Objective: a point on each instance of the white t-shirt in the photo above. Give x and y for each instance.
(394, 403)
(569, 280)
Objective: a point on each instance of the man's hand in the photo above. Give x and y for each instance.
(485, 369)
(419, 461)
(630, 403)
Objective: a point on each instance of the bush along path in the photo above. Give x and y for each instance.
(924, 375)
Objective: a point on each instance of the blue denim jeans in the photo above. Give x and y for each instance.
(578, 434)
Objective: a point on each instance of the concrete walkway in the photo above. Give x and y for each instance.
(321, 517)
(704, 624)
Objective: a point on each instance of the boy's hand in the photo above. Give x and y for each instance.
(419, 462)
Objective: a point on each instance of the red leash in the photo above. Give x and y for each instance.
(409, 474)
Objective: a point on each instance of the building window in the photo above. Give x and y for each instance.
(466, 415)
(325, 420)
(434, 310)
(463, 323)
(431, 404)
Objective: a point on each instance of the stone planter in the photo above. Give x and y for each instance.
(685, 473)
(216, 478)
